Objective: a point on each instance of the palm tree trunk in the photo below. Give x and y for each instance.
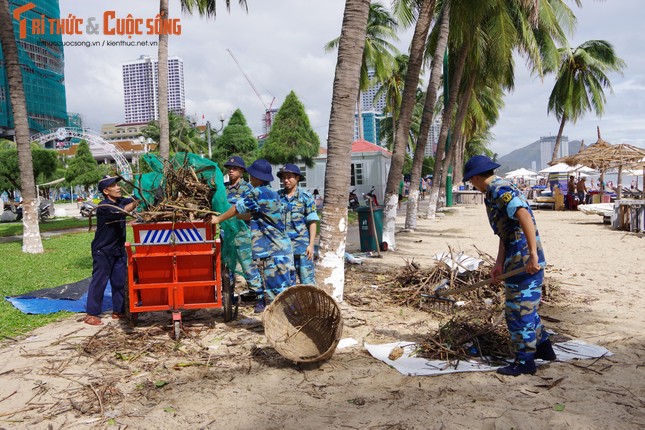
(359, 119)
(31, 241)
(394, 121)
(402, 132)
(458, 168)
(437, 179)
(330, 269)
(556, 147)
(162, 87)
(427, 118)
(457, 132)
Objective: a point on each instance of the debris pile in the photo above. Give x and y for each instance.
(416, 287)
(182, 196)
(466, 336)
(413, 286)
(474, 320)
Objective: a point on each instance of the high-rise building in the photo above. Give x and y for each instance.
(371, 127)
(140, 83)
(43, 70)
(433, 138)
(547, 143)
(368, 102)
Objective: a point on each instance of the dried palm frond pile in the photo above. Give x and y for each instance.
(182, 196)
(466, 336)
(415, 287)
(476, 328)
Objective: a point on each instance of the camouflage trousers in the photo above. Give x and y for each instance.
(278, 274)
(250, 270)
(523, 297)
(304, 269)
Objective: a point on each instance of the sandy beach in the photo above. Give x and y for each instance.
(70, 375)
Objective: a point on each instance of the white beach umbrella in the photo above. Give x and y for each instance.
(565, 168)
(521, 173)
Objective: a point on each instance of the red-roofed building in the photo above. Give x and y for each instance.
(365, 146)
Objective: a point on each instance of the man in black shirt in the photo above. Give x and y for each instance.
(108, 251)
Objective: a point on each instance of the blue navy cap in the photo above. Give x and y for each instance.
(261, 169)
(290, 168)
(235, 161)
(106, 181)
(477, 165)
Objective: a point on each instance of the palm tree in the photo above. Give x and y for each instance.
(392, 90)
(417, 48)
(378, 52)
(31, 242)
(580, 82)
(491, 31)
(428, 115)
(184, 136)
(330, 268)
(207, 8)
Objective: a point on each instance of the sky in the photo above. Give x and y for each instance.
(279, 45)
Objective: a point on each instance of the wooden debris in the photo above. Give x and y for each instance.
(475, 328)
(183, 197)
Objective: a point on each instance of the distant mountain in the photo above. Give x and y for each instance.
(524, 157)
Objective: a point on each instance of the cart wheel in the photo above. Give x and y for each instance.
(228, 291)
(176, 325)
(384, 246)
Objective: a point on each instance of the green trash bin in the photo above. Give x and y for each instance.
(365, 229)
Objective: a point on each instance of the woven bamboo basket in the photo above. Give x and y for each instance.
(303, 324)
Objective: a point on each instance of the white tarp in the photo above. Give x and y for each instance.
(460, 262)
(603, 209)
(410, 365)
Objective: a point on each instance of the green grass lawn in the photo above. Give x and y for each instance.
(66, 259)
(15, 228)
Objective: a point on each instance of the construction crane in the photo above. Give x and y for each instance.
(268, 110)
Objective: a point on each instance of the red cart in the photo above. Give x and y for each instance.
(173, 266)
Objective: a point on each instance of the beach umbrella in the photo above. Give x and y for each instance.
(603, 156)
(520, 173)
(565, 168)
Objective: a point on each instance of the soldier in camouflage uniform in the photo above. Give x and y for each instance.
(237, 188)
(300, 218)
(271, 247)
(512, 220)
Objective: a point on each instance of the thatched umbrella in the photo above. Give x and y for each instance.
(603, 156)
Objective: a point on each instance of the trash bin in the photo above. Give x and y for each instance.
(365, 229)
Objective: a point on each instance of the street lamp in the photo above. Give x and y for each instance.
(208, 132)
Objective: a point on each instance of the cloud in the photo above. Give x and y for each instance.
(279, 45)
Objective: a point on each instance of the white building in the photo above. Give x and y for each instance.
(547, 143)
(370, 167)
(140, 83)
(433, 138)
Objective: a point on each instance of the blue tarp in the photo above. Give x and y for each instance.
(68, 297)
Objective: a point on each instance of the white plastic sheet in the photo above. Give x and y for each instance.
(410, 365)
(459, 262)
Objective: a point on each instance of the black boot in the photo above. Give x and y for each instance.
(259, 307)
(517, 369)
(544, 351)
